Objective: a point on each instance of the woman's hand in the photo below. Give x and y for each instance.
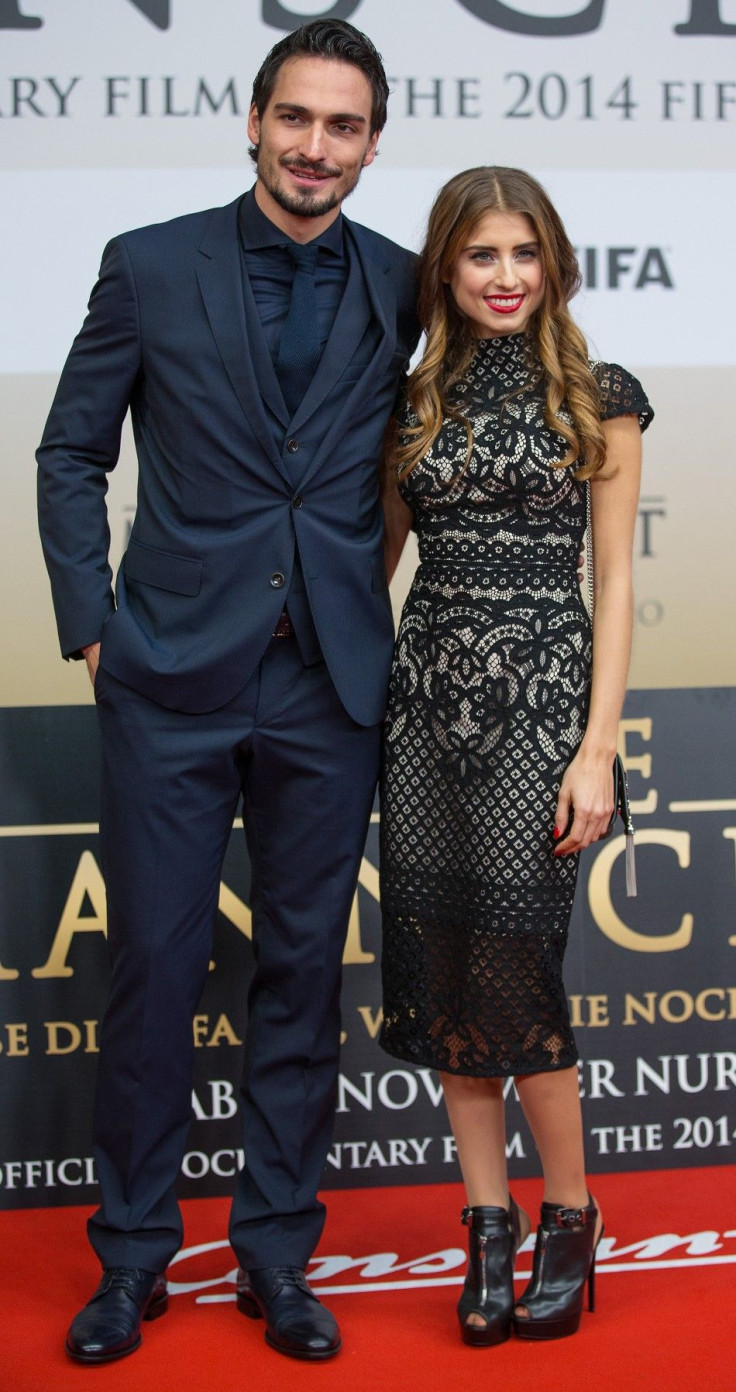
(586, 800)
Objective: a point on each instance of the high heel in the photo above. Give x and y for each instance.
(564, 1262)
(494, 1235)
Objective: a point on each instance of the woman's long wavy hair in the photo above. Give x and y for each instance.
(554, 339)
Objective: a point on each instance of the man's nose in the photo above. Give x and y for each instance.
(313, 145)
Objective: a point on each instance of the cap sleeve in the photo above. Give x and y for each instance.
(621, 394)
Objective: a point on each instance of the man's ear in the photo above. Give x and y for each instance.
(254, 125)
(372, 150)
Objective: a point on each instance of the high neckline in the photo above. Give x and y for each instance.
(507, 355)
(501, 367)
(506, 344)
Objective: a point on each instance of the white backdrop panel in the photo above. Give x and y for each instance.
(644, 239)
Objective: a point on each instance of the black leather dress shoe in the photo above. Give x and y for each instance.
(110, 1325)
(296, 1323)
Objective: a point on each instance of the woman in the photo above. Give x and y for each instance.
(503, 715)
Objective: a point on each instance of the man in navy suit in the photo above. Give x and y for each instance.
(246, 650)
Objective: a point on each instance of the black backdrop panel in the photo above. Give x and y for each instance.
(652, 981)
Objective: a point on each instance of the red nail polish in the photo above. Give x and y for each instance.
(557, 833)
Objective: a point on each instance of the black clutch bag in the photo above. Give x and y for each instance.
(622, 809)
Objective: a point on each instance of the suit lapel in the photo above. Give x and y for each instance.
(378, 283)
(268, 382)
(374, 285)
(220, 279)
(369, 291)
(360, 298)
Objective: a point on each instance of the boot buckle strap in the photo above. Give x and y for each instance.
(571, 1217)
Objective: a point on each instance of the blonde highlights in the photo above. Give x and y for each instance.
(554, 338)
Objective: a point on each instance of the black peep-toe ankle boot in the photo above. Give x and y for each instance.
(493, 1238)
(564, 1260)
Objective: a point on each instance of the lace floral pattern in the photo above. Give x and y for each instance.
(487, 706)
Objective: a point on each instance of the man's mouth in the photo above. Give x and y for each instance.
(313, 177)
(504, 304)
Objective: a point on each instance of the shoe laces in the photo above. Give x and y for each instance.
(125, 1277)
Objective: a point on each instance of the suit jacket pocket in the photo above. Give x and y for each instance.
(180, 574)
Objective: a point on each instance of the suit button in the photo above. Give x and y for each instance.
(292, 446)
(277, 580)
(297, 502)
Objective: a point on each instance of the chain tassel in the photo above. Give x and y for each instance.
(630, 866)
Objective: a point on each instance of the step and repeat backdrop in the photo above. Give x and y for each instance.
(130, 113)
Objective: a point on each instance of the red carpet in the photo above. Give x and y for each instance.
(666, 1316)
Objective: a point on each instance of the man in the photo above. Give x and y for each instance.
(247, 649)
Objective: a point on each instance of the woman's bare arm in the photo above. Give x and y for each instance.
(587, 786)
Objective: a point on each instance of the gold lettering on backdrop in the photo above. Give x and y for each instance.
(241, 917)
(238, 913)
(647, 1009)
(639, 763)
(8, 974)
(685, 1008)
(597, 1011)
(703, 1011)
(62, 1037)
(599, 893)
(17, 1045)
(87, 884)
(677, 1006)
(730, 835)
(221, 1030)
(65, 1037)
(372, 1022)
(354, 953)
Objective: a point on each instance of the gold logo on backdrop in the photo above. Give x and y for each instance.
(85, 909)
(601, 904)
(87, 892)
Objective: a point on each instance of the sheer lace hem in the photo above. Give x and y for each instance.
(480, 995)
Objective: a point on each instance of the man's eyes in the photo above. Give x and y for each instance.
(292, 118)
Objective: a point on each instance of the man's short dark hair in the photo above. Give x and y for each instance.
(326, 38)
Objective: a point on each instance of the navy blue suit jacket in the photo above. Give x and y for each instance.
(222, 507)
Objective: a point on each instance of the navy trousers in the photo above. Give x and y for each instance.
(170, 785)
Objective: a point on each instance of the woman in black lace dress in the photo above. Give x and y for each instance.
(502, 721)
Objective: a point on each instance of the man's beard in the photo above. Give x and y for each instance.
(304, 203)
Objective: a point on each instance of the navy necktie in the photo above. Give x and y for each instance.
(300, 350)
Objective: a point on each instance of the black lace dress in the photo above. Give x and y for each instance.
(487, 707)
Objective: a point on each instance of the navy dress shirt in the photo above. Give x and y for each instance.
(270, 271)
